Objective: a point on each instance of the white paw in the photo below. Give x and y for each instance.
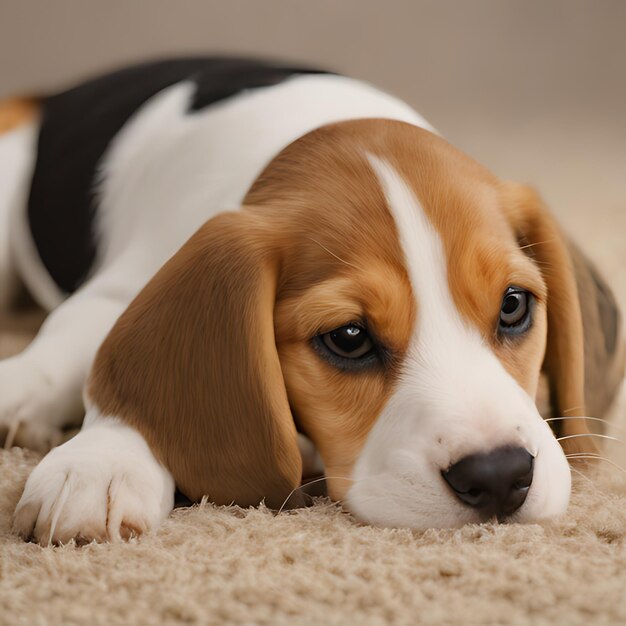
(103, 485)
(34, 405)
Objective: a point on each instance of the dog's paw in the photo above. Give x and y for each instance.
(34, 406)
(103, 485)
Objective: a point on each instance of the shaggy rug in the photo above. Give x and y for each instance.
(225, 565)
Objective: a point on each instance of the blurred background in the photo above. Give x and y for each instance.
(536, 90)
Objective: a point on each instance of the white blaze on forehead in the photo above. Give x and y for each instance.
(420, 242)
(441, 336)
(435, 381)
(445, 352)
(450, 373)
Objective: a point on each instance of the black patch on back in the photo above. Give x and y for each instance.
(76, 129)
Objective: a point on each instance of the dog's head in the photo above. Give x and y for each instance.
(391, 299)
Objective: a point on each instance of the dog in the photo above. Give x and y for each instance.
(235, 254)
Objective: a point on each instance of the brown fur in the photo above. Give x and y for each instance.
(200, 364)
(483, 257)
(213, 361)
(496, 235)
(604, 342)
(339, 416)
(15, 112)
(564, 360)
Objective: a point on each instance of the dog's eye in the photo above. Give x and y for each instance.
(349, 342)
(515, 311)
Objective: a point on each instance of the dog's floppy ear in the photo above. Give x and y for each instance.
(541, 238)
(604, 346)
(192, 364)
(604, 343)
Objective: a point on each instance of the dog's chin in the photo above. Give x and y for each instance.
(393, 511)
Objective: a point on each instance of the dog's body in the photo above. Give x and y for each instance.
(127, 168)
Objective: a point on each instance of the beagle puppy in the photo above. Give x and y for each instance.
(234, 252)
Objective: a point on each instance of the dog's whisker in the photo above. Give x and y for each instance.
(573, 408)
(544, 264)
(593, 419)
(596, 457)
(609, 437)
(583, 476)
(311, 482)
(537, 243)
(323, 247)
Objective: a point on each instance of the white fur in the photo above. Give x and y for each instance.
(453, 398)
(41, 387)
(102, 484)
(17, 156)
(167, 171)
(17, 252)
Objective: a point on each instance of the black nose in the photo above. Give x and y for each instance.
(495, 482)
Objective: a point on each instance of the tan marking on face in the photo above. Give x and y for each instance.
(336, 408)
(481, 227)
(461, 200)
(15, 112)
(344, 264)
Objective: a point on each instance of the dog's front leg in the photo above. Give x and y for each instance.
(41, 388)
(104, 484)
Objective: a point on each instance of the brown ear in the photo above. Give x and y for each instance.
(604, 342)
(541, 238)
(192, 364)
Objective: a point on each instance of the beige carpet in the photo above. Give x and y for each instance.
(212, 565)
